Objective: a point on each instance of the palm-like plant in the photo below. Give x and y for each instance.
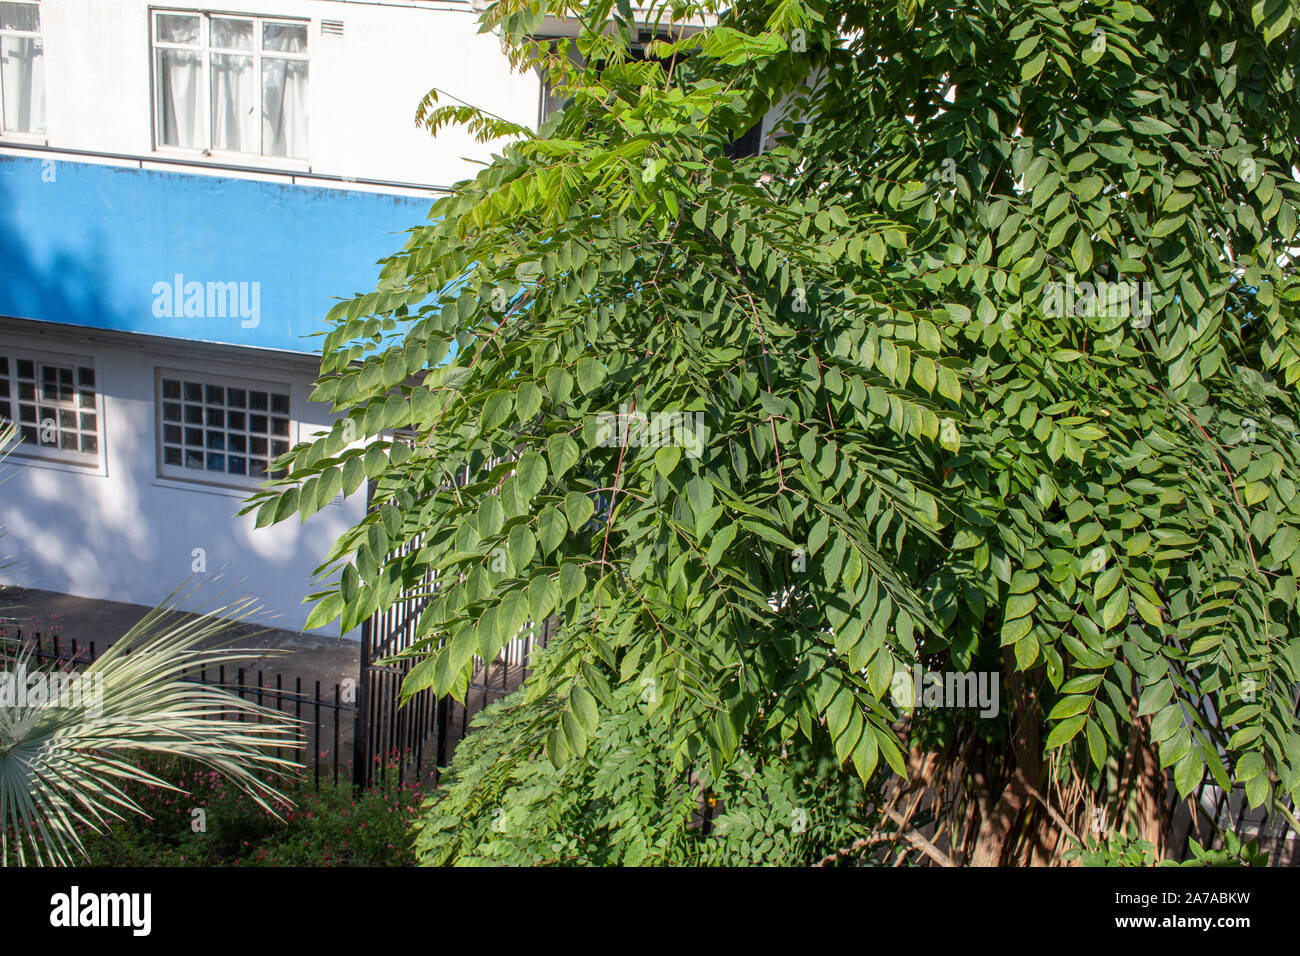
(65, 762)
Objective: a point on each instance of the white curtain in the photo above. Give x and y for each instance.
(234, 103)
(284, 108)
(178, 98)
(22, 78)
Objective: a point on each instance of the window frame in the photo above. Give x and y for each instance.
(206, 50)
(38, 452)
(37, 34)
(194, 476)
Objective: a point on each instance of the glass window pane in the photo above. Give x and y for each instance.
(284, 108)
(232, 34)
(22, 78)
(284, 37)
(234, 103)
(20, 16)
(179, 98)
(178, 28)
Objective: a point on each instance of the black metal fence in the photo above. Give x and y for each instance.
(326, 720)
(416, 739)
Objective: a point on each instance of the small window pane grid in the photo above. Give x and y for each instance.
(222, 84)
(22, 68)
(222, 430)
(55, 407)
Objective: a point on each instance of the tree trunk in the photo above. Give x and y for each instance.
(1146, 781)
(998, 824)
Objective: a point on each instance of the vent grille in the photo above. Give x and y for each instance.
(331, 28)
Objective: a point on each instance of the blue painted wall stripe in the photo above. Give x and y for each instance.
(102, 246)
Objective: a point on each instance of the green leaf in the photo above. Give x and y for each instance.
(578, 508)
(1064, 732)
(531, 472)
(551, 528)
(1033, 66)
(1081, 252)
(562, 451)
(572, 580)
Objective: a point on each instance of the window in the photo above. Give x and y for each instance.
(22, 69)
(230, 84)
(55, 405)
(222, 431)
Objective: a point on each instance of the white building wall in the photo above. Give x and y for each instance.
(364, 86)
(121, 532)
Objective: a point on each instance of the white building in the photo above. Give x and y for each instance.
(184, 192)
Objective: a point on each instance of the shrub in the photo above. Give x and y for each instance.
(330, 827)
(630, 800)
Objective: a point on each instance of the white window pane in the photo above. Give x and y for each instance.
(177, 29)
(284, 108)
(20, 16)
(284, 37)
(22, 78)
(232, 34)
(178, 98)
(234, 103)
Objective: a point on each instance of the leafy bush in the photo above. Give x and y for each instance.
(1119, 849)
(330, 827)
(630, 800)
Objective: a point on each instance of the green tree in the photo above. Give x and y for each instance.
(994, 349)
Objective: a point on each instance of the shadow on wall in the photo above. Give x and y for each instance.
(125, 538)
